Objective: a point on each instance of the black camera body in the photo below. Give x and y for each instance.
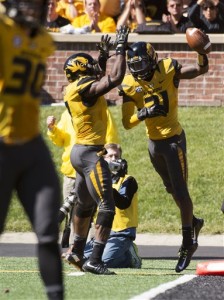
(118, 167)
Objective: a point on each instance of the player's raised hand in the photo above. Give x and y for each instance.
(104, 46)
(121, 40)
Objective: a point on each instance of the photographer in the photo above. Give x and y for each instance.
(120, 250)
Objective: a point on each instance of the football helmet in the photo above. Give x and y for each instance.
(27, 12)
(142, 60)
(81, 64)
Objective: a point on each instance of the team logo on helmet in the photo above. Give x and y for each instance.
(80, 63)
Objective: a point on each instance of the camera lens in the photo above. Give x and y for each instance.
(66, 207)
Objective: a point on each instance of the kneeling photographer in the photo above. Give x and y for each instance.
(120, 250)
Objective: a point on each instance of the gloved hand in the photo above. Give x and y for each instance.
(121, 40)
(151, 112)
(104, 46)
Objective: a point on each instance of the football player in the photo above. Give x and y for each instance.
(25, 162)
(120, 250)
(152, 89)
(84, 98)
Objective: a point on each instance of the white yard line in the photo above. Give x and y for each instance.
(162, 288)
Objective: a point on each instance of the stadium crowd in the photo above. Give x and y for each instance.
(90, 16)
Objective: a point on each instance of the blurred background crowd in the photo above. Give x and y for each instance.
(90, 16)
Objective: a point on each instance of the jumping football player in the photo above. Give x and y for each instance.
(152, 88)
(85, 101)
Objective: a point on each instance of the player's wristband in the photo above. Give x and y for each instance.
(121, 49)
(202, 60)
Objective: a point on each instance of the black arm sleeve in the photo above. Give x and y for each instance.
(124, 196)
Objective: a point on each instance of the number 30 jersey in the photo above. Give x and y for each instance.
(22, 72)
(163, 90)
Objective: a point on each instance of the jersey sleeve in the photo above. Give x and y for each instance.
(124, 196)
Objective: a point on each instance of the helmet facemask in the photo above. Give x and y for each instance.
(142, 67)
(142, 60)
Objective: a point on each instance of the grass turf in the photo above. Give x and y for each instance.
(19, 279)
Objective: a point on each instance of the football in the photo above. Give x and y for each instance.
(198, 40)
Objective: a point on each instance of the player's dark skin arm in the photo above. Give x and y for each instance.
(108, 82)
(116, 74)
(190, 72)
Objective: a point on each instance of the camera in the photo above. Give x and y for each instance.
(119, 167)
(67, 206)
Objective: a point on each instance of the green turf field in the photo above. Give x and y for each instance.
(157, 211)
(19, 279)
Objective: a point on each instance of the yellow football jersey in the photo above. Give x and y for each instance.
(89, 120)
(22, 71)
(162, 89)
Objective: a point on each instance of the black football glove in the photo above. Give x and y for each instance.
(151, 112)
(121, 41)
(104, 46)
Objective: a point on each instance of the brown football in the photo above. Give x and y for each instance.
(198, 40)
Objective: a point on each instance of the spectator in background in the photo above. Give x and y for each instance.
(175, 18)
(62, 134)
(111, 8)
(155, 9)
(208, 15)
(92, 18)
(132, 15)
(120, 250)
(54, 21)
(70, 9)
(186, 5)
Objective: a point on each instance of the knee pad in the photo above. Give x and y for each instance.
(105, 218)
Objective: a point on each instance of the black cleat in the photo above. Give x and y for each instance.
(197, 228)
(99, 269)
(74, 260)
(185, 255)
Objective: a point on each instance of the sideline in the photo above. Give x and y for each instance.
(149, 239)
(163, 287)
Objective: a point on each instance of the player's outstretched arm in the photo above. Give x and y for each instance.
(190, 72)
(114, 76)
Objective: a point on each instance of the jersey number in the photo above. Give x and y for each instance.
(155, 100)
(22, 78)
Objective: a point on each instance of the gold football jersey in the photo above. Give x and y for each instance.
(163, 90)
(22, 71)
(89, 119)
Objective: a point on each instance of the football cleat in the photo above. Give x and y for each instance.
(197, 228)
(99, 269)
(185, 255)
(74, 259)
